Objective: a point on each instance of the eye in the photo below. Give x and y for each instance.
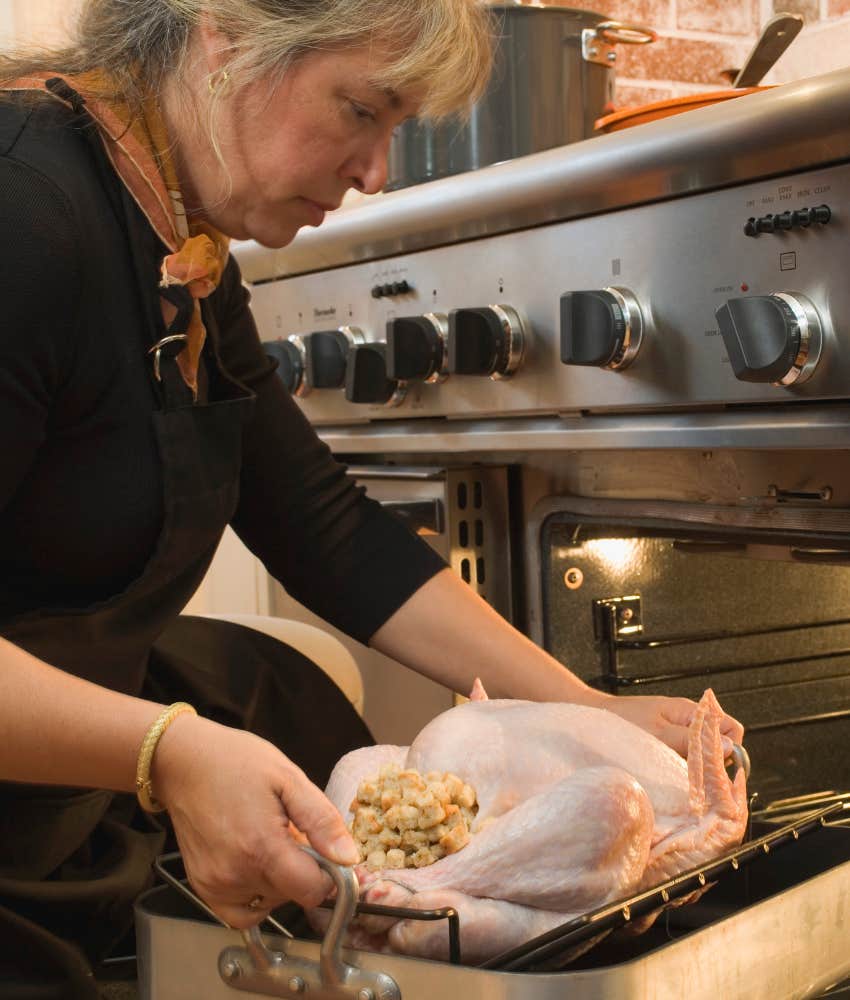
(363, 113)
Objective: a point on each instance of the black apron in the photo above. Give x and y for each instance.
(72, 861)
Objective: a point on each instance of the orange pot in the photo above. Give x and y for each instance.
(664, 109)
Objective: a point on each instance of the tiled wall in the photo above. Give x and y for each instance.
(700, 38)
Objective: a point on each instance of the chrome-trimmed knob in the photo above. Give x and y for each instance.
(515, 335)
(486, 340)
(301, 389)
(366, 379)
(811, 339)
(417, 348)
(775, 338)
(325, 365)
(601, 328)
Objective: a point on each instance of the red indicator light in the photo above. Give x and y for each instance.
(744, 286)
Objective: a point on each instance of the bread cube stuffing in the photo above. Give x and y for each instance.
(466, 799)
(366, 822)
(395, 859)
(403, 819)
(456, 838)
(390, 797)
(376, 860)
(414, 839)
(367, 793)
(431, 815)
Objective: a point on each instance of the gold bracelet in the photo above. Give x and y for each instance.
(144, 793)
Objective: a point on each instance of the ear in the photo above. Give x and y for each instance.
(213, 43)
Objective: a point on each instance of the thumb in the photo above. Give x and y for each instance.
(318, 818)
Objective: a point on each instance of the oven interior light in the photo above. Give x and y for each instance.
(614, 555)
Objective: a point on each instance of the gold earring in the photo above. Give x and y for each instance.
(217, 81)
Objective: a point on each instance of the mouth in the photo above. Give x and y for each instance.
(317, 210)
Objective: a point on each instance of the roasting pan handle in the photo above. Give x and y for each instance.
(740, 760)
(257, 968)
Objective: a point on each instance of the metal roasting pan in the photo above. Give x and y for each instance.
(774, 928)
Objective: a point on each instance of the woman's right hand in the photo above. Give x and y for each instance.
(232, 798)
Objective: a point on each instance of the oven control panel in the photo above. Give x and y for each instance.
(737, 296)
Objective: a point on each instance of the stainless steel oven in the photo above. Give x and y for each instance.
(647, 335)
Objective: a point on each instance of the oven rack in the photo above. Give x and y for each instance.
(561, 940)
(615, 638)
(787, 810)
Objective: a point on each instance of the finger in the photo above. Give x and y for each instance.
(679, 711)
(239, 916)
(295, 875)
(675, 737)
(732, 729)
(316, 816)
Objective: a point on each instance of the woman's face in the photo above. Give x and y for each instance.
(292, 151)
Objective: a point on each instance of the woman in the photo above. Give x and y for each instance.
(141, 416)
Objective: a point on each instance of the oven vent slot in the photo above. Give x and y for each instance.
(477, 515)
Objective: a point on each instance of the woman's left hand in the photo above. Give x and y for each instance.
(669, 718)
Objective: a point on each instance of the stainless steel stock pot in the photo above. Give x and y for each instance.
(553, 77)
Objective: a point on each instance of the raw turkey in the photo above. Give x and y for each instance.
(576, 808)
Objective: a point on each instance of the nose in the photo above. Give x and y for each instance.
(367, 169)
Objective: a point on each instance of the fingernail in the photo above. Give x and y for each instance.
(728, 746)
(345, 851)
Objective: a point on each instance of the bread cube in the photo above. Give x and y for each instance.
(395, 858)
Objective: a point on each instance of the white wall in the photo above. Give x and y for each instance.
(35, 22)
(7, 23)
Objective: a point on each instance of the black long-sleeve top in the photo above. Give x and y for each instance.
(80, 482)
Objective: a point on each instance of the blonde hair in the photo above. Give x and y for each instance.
(443, 48)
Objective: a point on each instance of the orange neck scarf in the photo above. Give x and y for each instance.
(139, 150)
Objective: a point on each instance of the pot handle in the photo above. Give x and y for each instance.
(615, 32)
(597, 44)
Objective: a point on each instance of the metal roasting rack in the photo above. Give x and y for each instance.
(560, 941)
(556, 947)
(372, 909)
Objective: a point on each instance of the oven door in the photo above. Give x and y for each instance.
(641, 603)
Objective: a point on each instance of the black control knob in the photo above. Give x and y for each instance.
(416, 347)
(325, 353)
(291, 362)
(602, 328)
(771, 338)
(366, 378)
(486, 340)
